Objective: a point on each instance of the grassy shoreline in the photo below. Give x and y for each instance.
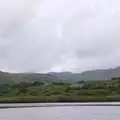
(59, 99)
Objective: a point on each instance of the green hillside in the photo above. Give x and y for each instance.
(105, 74)
(12, 78)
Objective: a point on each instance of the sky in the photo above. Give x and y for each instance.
(59, 35)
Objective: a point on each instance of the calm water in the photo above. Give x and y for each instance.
(62, 113)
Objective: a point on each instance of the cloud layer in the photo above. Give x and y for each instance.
(59, 35)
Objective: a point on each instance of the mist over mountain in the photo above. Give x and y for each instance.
(99, 74)
(11, 78)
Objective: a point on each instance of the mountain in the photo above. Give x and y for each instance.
(100, 74)
(11, 78)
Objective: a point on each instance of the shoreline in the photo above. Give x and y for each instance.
(30, 105)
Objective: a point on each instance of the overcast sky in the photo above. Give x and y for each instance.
(59, 35)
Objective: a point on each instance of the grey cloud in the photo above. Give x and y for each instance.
(59, 35)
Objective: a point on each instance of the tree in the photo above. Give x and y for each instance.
(22, 88)
(37, 83)
(81, 82)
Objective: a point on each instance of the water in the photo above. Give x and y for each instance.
(62, 113)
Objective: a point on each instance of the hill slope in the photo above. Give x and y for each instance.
(103, 74)
(100, 74)
(11, 78)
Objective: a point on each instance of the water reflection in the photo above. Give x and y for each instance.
(62, 113)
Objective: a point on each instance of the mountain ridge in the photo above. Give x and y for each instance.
(98, 74)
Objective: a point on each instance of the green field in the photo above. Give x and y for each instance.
(90, 91)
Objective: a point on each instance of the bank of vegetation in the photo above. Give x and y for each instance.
(81, 91)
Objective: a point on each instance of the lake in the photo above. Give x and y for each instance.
(62, 113)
